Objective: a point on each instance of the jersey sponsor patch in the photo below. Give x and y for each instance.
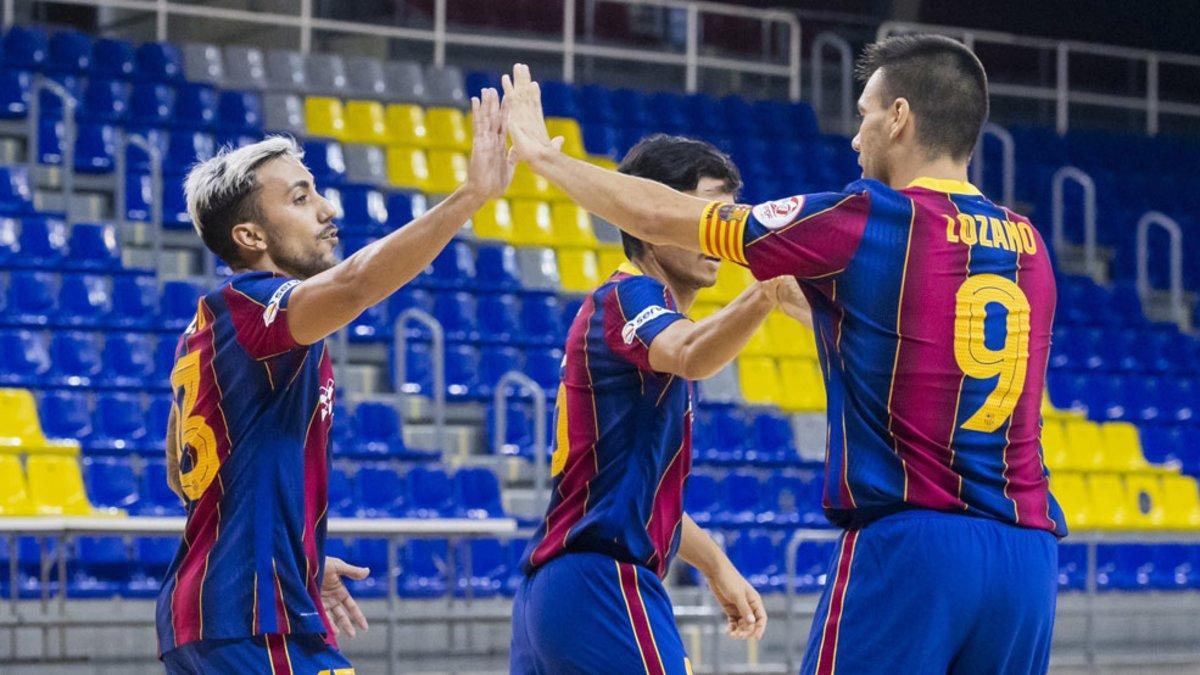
(272, 309)
(629, 332)
(779, 213)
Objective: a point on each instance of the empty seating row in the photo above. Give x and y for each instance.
(47, 485)
(741, 499)
(95, 301)
(1138, 501)
(79, 359)
(1133, 397)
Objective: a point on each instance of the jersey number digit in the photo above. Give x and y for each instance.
(193, 430)
(981, 362)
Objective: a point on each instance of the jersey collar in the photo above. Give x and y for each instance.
(954, 187)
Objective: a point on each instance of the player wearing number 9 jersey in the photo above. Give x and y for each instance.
(932, 308)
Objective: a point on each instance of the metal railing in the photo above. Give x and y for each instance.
(1152, 218)
(69, 104)
(1008, 162)
(439, 36)
(121, 189)
(525, 383)
(1061, 92)
(437, 362)
(845, 78)
(1058, 210)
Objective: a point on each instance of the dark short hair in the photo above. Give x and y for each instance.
(677, 162)
(944, 83)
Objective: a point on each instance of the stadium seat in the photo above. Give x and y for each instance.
(571, 133)
(482, 568)
(544, 366)
(424, 565)
(532, 223)
(119, 426)
(377, 431)
(498, 318)
(1181, 502)
(111, 483)
(56, 486)
(405, 82)
(407, 167)
(65, 415)
(497, 268)
(43, 242)
(806, 386)
(528, 185)
(156, 497)
(14, 490)
(195, 107)
(326, 74)
(403, 207)
(245, 67)
(759, 379)
(93, 246)
(365, 165)
(69, 51)
(364, 209)
(366, 122)
(742, 501)
(16, 198)
(494, 221)
(325, 117)
(153, 556)
(128, 360)
(285, 71)
(538, 269)
(447, 171)
(112, 59)
(462, 372)
(203, 63)
(444, 86)
(105, 101)
(756, 557)
(27, 359)
(98, 567)
(572, 226)
(1122, 448)
(447, 129)
(477, 494)
(380, 492)
(240, 112)
(179, 304)
(580, 271)
(284, 113)
(540, 322)
(158, 62)
(75, 359)
(365, 77)
(430, 494)
(453, 268)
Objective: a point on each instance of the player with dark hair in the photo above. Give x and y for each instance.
(932, 308)
(592, 600)
(250, 590)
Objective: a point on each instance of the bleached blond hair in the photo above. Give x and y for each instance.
(220, 191)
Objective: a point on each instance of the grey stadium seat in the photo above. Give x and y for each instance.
(444, 86)
(365, 78)
(245, 68)
(810, 430)
(722, 387)
(284, 112)
(605, 231)
(285, 71)
(203, 63)
(538, 269)
(365, 164)
(405, 82)
(326, 74)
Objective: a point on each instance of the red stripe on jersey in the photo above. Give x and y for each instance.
(582, 433)
(1025, 476)
(923, 416)
(204, 523)
(639, 620)
(827, 655)
(261, 332)
(282, 623)
(281, 662)
(667, 513)
(316, 480)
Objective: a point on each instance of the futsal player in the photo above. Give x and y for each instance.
(932, 308)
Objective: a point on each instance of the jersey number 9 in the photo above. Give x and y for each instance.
(979, 361)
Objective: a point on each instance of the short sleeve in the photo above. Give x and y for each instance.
(806, 236)
(636, 311)
(258, 309)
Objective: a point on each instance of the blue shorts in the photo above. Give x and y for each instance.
(271, 654)
(927, 592)
(588, 613)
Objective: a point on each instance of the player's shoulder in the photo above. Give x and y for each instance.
(262, 288)
(779, 213)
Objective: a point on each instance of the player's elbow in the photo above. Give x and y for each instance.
(693, 366)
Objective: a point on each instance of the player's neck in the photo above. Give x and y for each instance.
(683, 294)
(942, 168)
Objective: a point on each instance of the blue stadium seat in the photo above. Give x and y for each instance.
(195, 107)
(43, 242)
(65, 414)
(364, 210)
(723, 436)
(813, 559)
(430, 494)
(70, 51)
(601, 139)
(462, 372)
(153, 556)
(185, 148)
(99, 567)
(26, 359)
(701, 498)
(741, 503)
(14, 94)
(486, 574)
(75, 359)
(1174, 567)
(31, 298)
(496, 268)
(326, 161)
(544, 366)
(596, 105)
(559, 99)
(342, 502)
(93, 246)
(1072, 567)
(341, 430)
(737, 111)
(156, 497)
(477, 494)
(540, 320)
(118, 426)
(418, 378)
(773, 441)
(112, 59)
(633, 109)
(152, 105)
(159, 62)
(380, 491)
(23, 47)
(16, 198)
(128, 360)
(110, 482)
(494, 362)
(83, 300)
(240, 112)
(457, 314)
(668, 110)
(477, 80)
(1117, 566)
(402, 207)
(378, 430)
(134, 302)
(498, 318)
(454, 267)
(758, 560)
(179, 304)
(373, 554)
(425, 566)
(105, 101)
(518, 430)
(174, 208)
(786, 499)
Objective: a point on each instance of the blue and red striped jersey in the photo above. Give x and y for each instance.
(253, 411)
(932, 308)
(623, 433)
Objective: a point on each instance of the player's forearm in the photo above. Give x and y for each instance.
(700, 350)
(332, 299)
(644, 208)
(699, 550)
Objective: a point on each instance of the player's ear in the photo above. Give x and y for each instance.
(249, 236)
(899, 116)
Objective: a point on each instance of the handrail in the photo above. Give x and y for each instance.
(438, 357)
(500, 433)
(1060, 93)
(1058, 186)
(121, 188)
(1008, 164)
(439, 36)
(845, 82)
(1176, 260)
(42, 83)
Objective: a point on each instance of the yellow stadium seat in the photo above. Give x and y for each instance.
(532, 223)
(1071, 492)
(21, 428)
(407, 167)
(325, 117)
(406, 125)
(759, 380)
(790, 337)
(1085, 444)
(1122, 447)
(365, 122)
(572, 226)
(602, 162)
(56, 487)
(447, 128)
(447, 170)
(1107, 501)
(1146, 502)
(580, 273)
(14, 493)
(528, 185)
(610, 260)
(731, 280)
(802, 385)
(760, 343)
(1054, 445)
(1181, 502)
(493, 221)
(569, 129)
(702, 310)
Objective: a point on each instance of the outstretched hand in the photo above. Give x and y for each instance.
(343, 611)
(489, 171)
(526, 123)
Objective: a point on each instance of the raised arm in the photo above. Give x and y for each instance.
(328, 301)
(644, 208)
